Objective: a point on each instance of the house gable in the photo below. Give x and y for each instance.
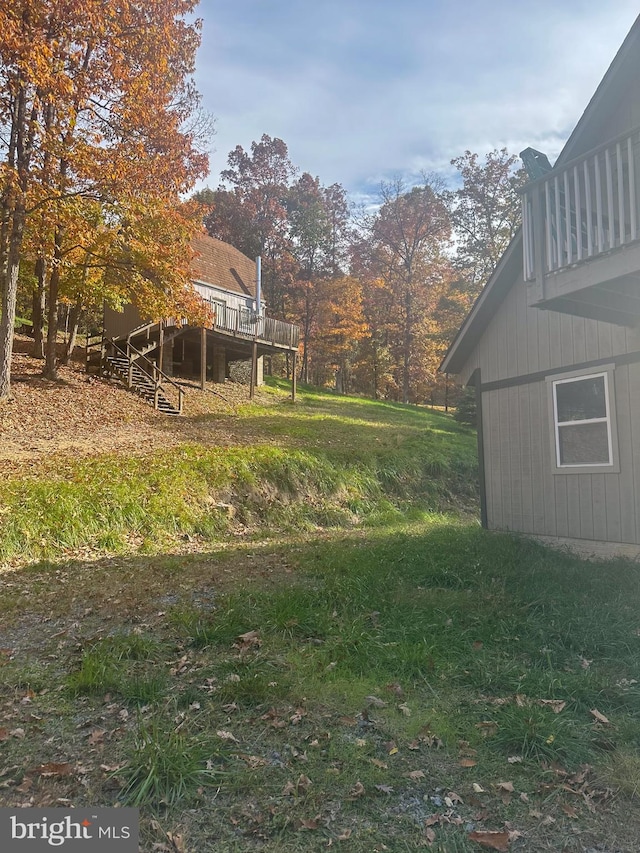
(559, 392)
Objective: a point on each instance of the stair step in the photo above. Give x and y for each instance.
(141, 383)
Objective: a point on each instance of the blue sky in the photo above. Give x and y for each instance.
(368, 90)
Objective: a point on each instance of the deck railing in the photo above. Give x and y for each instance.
(242, 321)
(584, 208)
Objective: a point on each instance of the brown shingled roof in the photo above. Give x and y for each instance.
(222, 265)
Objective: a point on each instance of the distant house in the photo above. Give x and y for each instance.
(552, 345)
(149, 356)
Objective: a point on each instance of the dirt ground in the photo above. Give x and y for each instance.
(82, 415)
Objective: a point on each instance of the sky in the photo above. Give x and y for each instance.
(366, 91)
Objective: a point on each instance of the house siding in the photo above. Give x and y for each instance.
(524, 493)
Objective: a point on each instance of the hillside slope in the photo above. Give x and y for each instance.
(93, 468)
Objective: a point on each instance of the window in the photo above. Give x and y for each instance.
(583, 427)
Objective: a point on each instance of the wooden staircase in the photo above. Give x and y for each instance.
(141, 383)
(120, 359)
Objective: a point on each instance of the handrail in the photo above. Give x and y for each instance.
(578, 159)
(143, 328)
(156, 371)
(582, 209)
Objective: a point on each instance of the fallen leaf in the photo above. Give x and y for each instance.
(17, 733)
(4, 734)
(495, 840)
(357, 791)
(224, 735)
(478, 789)
(429, 834)
(177, 842)
(375, 702)
(600, 718)
(310, 823)
(395, 688)
(96, 736)
(345, 835)
(385, 789)
(556, 705)
(53, 769)
(505, 786)
(303, 783)
(514, 759)
(406, 710)
(377, 763)
(467, 762)
(415, 775)
(248, 640)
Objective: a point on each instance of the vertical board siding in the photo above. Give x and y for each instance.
(523, 492)
(515, 460)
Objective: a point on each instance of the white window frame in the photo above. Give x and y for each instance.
(613, 465)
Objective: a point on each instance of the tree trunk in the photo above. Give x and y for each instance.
(407, 344)
(74, 319)
(50, 363)
(7, 320)
(39, 308)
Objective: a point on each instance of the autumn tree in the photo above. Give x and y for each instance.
(317, 231)
(249, 211)
(95, 101)
(486, 212)
(404, 247)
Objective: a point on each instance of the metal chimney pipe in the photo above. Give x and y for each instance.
(258, 286)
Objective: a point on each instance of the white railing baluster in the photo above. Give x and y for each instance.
(567, 217)
(621, 223)
(599, 213)
(526, 225)
(609, 174)
(633, 226)
(576, 189)
(559, 253)
(547, 213)
(587, 204)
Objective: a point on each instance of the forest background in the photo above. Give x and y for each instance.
(102, 141)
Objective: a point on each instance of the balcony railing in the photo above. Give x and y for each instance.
(585, 208)
(246, 323)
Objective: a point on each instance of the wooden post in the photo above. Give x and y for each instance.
(293, 377)
(161, 345)
(254, 369)
(203, 358)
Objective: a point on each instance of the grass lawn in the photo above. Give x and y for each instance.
(340, 662)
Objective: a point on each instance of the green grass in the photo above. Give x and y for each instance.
(375, 657)
(167, 765)
(124, 665)
(326, 462)
(399, 665)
